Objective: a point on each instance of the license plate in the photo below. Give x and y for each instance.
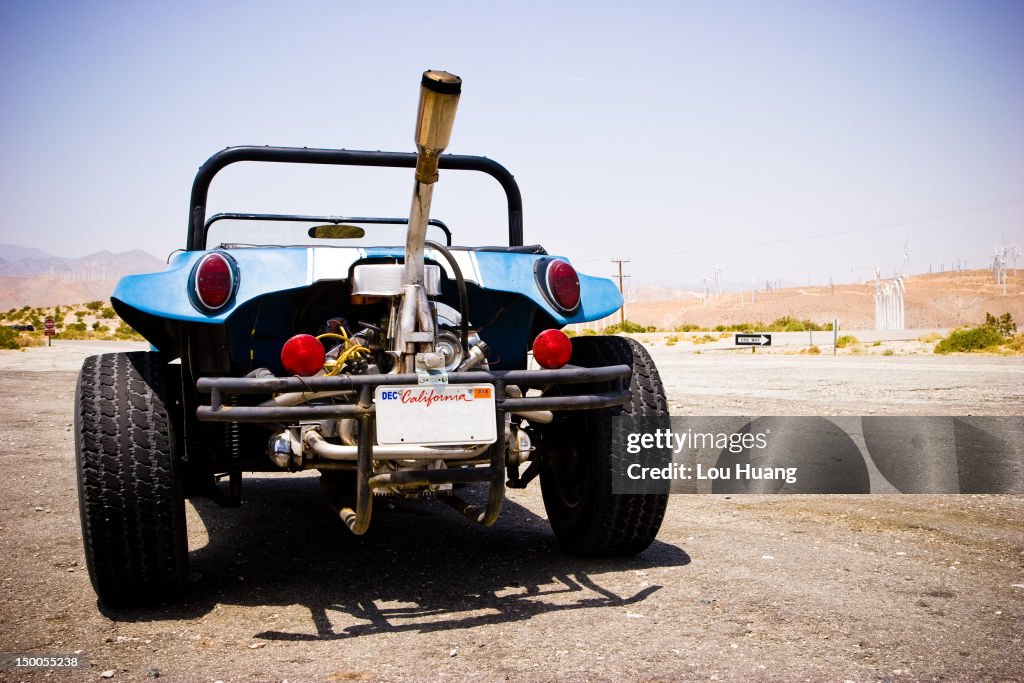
(441, 415)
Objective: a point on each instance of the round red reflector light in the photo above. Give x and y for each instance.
(303, 355)
(214, 281)
(564, 285)
(552, 349)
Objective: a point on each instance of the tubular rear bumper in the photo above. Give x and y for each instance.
(617, 376)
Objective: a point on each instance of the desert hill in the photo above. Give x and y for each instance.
(935, 300)
(31, 277)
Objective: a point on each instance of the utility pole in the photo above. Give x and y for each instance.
(622, 311)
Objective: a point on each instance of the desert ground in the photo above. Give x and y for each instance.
(737, 588)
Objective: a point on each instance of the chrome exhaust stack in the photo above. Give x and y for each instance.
(439, 99)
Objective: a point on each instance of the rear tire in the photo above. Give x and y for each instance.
(129, 493)
(587, 518)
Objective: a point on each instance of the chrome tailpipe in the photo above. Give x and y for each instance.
(439, 100)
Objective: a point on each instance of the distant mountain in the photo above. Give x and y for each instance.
(12, 252)
(31, 277)
(103, 265)
(32, 267)
(659, 293)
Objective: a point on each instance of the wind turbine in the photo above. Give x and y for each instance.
(906, 259)
(1010, 252)
(718, 282)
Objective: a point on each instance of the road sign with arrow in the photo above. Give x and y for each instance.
(753, 340)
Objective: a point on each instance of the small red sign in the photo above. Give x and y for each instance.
(50, 327)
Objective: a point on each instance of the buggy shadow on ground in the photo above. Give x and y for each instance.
(421, 568)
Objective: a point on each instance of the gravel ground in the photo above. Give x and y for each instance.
(740, 383)
(742, 588)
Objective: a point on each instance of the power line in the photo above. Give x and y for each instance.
(622, 311)
(821, 235)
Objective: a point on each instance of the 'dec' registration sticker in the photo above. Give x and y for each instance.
(442, 415)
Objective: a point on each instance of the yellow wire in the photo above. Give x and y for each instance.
(355, 350)
(351, 349)
(335, 368)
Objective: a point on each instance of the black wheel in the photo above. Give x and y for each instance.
(587, 518)
(129, 494)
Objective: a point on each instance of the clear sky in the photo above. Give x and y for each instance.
(788, 140)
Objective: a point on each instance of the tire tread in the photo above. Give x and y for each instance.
(617, 524)
(132, 510)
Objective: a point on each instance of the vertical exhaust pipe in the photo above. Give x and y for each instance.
(439, 99)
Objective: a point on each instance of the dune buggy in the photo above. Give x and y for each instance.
(412, 371)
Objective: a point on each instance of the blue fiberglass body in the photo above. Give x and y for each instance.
(503, 291)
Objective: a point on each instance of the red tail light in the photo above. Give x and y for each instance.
(563, 285)
(214, 280)
(552, 349)
(303, 355)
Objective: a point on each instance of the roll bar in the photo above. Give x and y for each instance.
(197, 225)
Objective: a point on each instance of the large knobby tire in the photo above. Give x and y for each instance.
(587, 517)
(129, 493)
